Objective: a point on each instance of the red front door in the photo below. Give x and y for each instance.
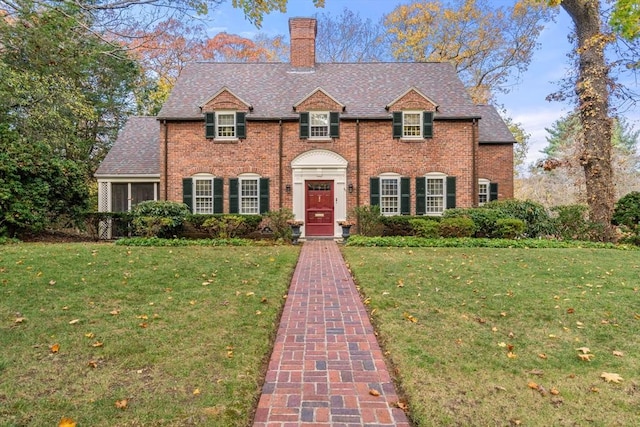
(319, 208)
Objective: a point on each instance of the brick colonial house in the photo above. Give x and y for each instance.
(317, 138)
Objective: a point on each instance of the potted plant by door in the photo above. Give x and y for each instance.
(346, 228)
(295, 230)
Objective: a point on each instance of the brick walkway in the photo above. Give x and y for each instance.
(326, 358)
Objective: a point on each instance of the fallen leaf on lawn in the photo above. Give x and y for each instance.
(537, 372)
(502, 344)
(90, 335)
(374, 392)
(92, 364)
(258, 312)
(594, 390)
(74, 321)
(532, 385)
(142, 316)
(584, 350)
(618, 353)
(510, 347)
(55, 348)
(611, 377)
(542, 356)
(402, 405)
(114, 312)
(503, 314)
(250, 294)
(66, 422)
(570, 311)
(511, 355)
(20, 319)
(554, 391)
(52, 282)
(585, 357)
(143, 325)
(97, 344)
(409, 317)
(263, 300)
(543, 391)
(121, 404)
(196, 392)
(400, 283)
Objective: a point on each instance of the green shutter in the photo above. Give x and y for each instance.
(217, 195)
(421, 195)
(304, 125)
(233, 196)
(451, 192)
(493, 191)
(405, 196)
(187, 192)
(374, 191)
(427, 124)
(397, 124)
(264, 195)
(334, 125)
(241, 125)
(210, 125)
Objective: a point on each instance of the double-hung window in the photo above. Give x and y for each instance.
(202, 193)
(203, 196)
(389, 196)
(413, 124)
(319, 124)
(225, 125)
(483, 191)
(435, 201)
(435, 192)
(249, 196)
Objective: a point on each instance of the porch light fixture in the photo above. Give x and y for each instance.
(350, 188)
(288, 188)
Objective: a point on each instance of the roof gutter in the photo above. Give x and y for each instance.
(166, 159)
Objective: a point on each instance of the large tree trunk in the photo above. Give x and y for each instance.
(593, 97)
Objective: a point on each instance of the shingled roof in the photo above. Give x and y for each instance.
(136, 152)
(365, 89)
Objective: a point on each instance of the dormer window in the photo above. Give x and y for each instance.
(413, 124)
(319, 125)
(225, 125)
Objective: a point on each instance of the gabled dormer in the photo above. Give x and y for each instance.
(319, 114)
(225, 116)
(413, 114)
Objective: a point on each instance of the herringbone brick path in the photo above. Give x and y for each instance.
(326, 359)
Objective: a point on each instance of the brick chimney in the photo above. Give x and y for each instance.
(303, 42)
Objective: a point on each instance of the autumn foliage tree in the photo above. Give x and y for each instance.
(486, 45)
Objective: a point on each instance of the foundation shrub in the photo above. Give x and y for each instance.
(537, 222)
(159, 218)
(456, 227)
(423, 227)
(369, 220)
(509, 228)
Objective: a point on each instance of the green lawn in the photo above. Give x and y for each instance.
(174, 336)
(481, 337)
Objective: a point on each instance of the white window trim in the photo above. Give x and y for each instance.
(396, 177)
(201, 177)
(443, 178)
(235, 126)
(483, 181)
(323, 138)
(248, 177)
(420, 114)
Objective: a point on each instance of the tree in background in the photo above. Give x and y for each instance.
(558, 179)
(349, 38)
(592, 84)
(486, 45)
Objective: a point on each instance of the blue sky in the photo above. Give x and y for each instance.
(525, 103)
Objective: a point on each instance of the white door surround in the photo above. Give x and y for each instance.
(320, 165)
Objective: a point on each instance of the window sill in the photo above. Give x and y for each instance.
(225, 141)
(323, 139)
(410, 140)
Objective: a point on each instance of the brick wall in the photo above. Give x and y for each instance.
(495, 163)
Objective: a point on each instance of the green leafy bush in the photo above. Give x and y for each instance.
(369, 220)
(224, 227)
(278, 221)
(484, 219)
(509, 228)
(423, 227)
(456, 227)
(537, 221)
(572, 223)
(398, 225)
(159, 218)
(627, 211)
